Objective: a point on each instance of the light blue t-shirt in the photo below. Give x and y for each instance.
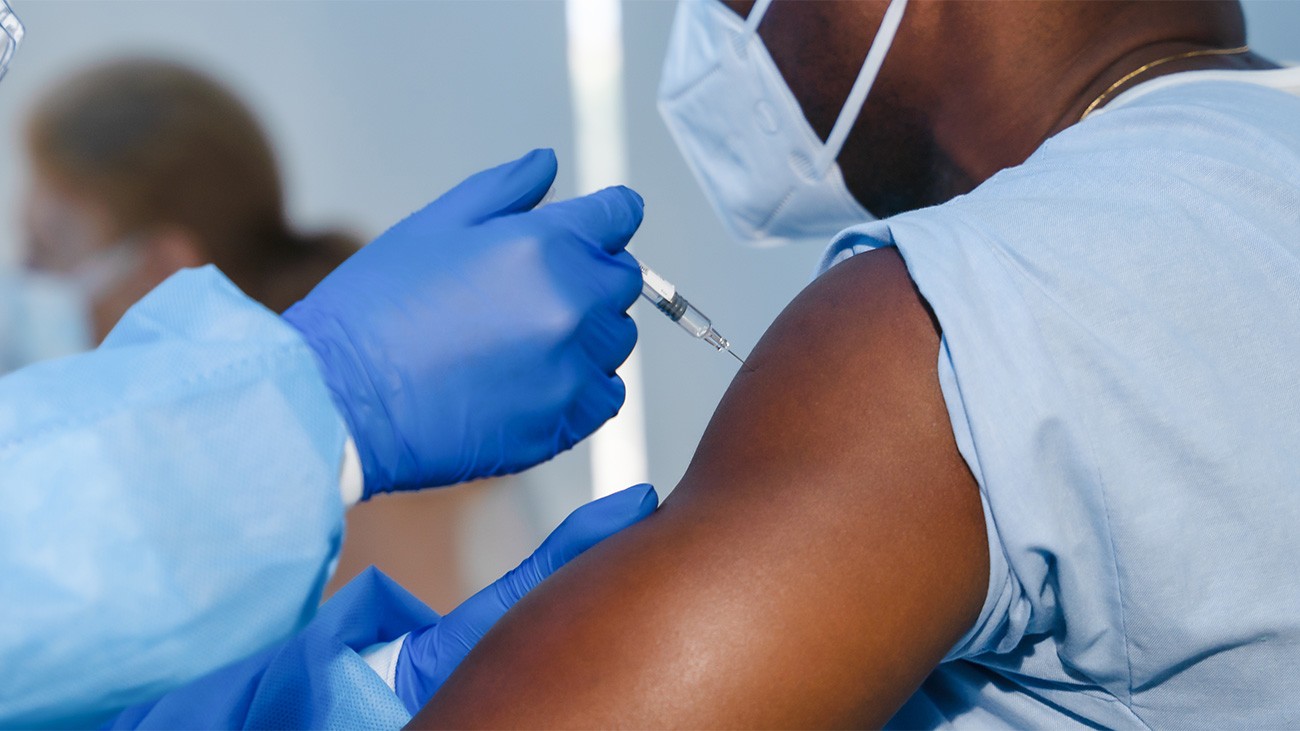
(1121, 363)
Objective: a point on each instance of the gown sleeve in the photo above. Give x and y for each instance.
(171, 503)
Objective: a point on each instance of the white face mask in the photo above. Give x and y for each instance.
(768, 175)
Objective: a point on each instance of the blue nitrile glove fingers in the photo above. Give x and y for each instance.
(609, 340)
(430, 654)
(620, 207)
(473, 339)
(513, 187)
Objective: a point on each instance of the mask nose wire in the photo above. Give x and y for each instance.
(858, 94)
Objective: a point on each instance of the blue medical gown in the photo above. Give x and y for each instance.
(316, 679)
(171, 503)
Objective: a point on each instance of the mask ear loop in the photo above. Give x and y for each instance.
(861, 87)
(755, 17)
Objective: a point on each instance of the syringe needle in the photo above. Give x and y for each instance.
(665, 297)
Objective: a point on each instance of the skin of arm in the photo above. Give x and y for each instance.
(824, 551)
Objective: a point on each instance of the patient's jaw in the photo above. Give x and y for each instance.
(824, 551)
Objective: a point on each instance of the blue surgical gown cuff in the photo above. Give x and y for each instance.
(317, 679)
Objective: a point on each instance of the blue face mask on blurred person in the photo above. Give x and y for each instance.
(42, 316)
(46, 315)
(767, 174)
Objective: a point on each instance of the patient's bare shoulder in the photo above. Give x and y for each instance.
(824, 551)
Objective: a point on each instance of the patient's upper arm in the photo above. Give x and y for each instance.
(825, 549)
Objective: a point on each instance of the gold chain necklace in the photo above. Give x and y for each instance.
(1147, 67)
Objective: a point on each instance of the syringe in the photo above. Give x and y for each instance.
(665, 297)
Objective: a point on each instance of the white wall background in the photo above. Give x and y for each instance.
(377, 106)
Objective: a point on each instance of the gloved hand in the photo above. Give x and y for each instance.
(430, 654)
(310, 680)
(479, 337)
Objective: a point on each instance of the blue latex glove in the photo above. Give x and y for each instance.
(479, 337)
(317, 679)
(430, 654)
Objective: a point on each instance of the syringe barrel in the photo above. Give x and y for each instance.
(665, 297)
(693, 321)
(673, 307)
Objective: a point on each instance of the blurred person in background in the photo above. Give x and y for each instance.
(142, 167)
